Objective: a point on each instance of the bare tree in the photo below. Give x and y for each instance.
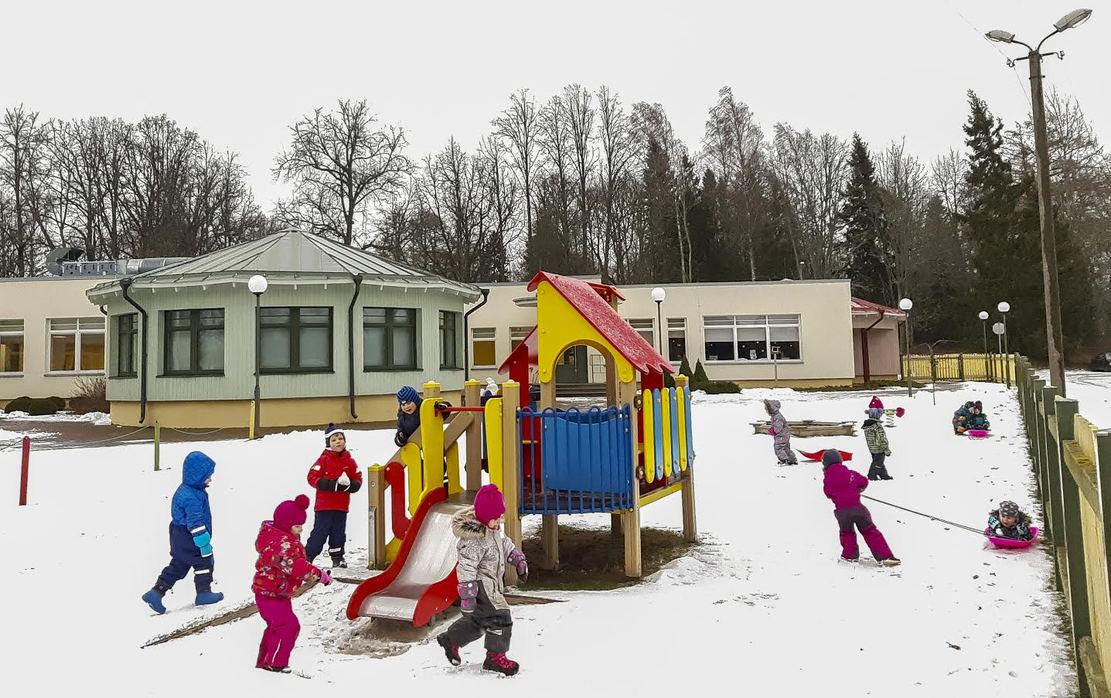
(341, 163)
(23, 173)
(905, 194)
(580, 115)
(948, 181)
(518, 126)
(616, 138)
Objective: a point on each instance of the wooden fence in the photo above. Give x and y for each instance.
(1072, 463)
(959, 367)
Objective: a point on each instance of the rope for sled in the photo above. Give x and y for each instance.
(928, 516)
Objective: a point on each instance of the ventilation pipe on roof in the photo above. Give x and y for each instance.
(357, 279)
(125, 285)
(466, 337)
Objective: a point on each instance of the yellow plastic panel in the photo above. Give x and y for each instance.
(665, 417)
(681, 400)
(646, 411)
(494, 440)
(561, 326)
(453, 469)
(414, 475)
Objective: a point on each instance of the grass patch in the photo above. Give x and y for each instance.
(593, 559)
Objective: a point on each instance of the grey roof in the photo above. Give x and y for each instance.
(290, 256)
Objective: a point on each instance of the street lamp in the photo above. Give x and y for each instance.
(905, 305)
(257, 285)
(999, 329)
(658, 295)
(1004, 307)
(984, 325)
(1054, 335)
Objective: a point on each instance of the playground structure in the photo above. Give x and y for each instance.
(615, 459)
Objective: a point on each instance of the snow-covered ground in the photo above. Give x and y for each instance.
(97, 418)
(1092, 389)
(763, 607)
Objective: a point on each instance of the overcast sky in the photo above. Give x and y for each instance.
(240, 73)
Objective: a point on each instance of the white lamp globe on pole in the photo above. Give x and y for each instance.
(905, 305)
(1004, 307)
(257, 285)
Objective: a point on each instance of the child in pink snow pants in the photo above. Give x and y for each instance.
(280, 570)
(844, 486)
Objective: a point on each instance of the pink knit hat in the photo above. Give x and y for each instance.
(488, 504)
(875, 403)
(290, 514)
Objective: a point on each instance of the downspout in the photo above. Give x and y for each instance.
(865, 363)
(466, 337)
(125, 285)
(357, 279)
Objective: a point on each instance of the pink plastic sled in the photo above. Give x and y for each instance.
(817, 455)
(977, 433)
(1011, 543)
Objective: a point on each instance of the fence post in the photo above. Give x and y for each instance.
(1072, 539)
(157, 445)
(24, 469)
(1049, 454)
(376, 517)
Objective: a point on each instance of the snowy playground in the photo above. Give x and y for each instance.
(762, 603)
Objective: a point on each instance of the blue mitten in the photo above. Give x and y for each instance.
(468, 594)
(204, 542)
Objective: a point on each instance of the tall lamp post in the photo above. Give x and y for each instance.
(984, 323)
(1004, 307)
(905, 305)
(1054, 334)
(257, 285)
(999, 328)
(658, 295)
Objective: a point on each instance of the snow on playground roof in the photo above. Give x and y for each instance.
(863, 307)
(586, 298)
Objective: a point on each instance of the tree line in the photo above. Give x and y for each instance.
(582, 183)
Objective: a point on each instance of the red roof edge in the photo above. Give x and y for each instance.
(527, 348)
(863, 306)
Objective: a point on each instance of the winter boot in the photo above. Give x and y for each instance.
(277, 669)
(884, 475)
(451, 650)
(154, 597)
(850, 559)
(208, 596)
(891, 562)
(339, 562)
(873, 473)
(497, 661)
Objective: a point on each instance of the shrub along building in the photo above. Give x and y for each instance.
(336, 332)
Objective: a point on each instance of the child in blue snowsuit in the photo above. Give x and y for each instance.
(190, 535)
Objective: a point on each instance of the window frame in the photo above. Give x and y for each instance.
(389, 326)
(517, 336)
(677, 329)
(455, 364)
(736, 324)
(132, 338)
(22, 334)
(493, 339)
(194, 342)
(294, 326)
(77, 334)
(645, 325)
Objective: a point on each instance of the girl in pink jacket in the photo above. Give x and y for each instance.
(844, 486)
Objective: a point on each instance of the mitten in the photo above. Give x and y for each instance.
(399, 438)
(517, 559)
(325, 578)
(888, 453)
(343, 480)
(771, 431)
(468, 593)
(204, 542)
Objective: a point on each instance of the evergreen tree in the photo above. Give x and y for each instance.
(866, 247)
(662, 263)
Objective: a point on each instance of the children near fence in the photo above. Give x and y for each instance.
(960, 417)
(190, 535)
(976, 417)
(280, 570)
(878, 446)
(483, 553)
(334, 476)
(780, 432)
(408, 414)
(1008, 521)
(843, 487)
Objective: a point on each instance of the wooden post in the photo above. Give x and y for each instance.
(471, 398)
(630, 520)
(690, 517)
(549, 523)
(511, 469)
(157, 445)
(1048, 454)
(960, 366)
(1033, 438)
(376, 517)
(1073, 539)
(251, 422)
(24, 471)
(1103, 487)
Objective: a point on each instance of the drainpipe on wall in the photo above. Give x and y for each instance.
(357, 279)
(103, 310)
(125, 285)
(466, 337)
(865, 363)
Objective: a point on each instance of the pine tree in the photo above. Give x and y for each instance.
(662, 263)
(866, 246)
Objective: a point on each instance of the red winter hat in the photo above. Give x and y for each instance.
(875, 403)
(290, 514)
(488, 504)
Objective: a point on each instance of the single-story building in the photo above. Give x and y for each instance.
(876, 341)
(336, 332)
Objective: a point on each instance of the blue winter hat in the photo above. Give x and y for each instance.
(332, 429)
(407, 394)
(830, 457)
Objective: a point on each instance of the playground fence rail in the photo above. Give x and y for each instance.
(960, 367)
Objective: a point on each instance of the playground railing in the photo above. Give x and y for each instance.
(1072, 465)
(668, 444)
(575, 461)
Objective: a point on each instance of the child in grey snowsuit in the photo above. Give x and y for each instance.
(878, 446)
(483, 553)
(781, 434)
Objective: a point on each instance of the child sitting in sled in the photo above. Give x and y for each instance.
(960, 417)
(1008, 521)
(976, 418)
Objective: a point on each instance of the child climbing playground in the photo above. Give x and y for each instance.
(280, 570)
(780, 432)
(483, 553)
(335, 476)
(408, 414)
(190, 535)
(843, 487)
(1008, 521)
(878, 446)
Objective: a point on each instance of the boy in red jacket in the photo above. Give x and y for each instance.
(334, 476)
(280, 570)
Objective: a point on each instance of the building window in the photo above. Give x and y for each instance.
(77, 344)
(194, 342)
(646, 329)
(127, 338)
(449, 339)
(752, 337)
(295, 340)
(517, 335)
(11, 346)
(676, 339)
(484, 352)
(389, 339)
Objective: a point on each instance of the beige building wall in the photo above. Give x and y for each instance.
(36, 302)
(823, 306)
(883, 347)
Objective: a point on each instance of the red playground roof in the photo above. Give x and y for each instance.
(527, 348)
(587, 298)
